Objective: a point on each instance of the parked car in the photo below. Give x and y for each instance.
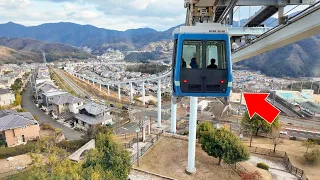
(283, 132)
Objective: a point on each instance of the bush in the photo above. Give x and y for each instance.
(21, 110)
(315, 140)
(313, 156)
(6, 152)
(263, 166)
(72, 146)
(47, 127)
(3, 143)
(186, 132)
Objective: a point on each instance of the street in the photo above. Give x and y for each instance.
(28, 104)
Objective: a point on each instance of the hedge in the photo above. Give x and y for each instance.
(263, 166)
(6, 152)
(31, 146)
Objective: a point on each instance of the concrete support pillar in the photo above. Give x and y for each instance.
(159, 103)
(192, 135)
(143, 94)
(119, 92)
(173, 116)
(100, 86)
(92, 81)
(149, 127)
(143, 133)
(131, 93)
(88, 81)
(280, 15)
(108, 90)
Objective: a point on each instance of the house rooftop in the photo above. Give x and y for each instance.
(92, 120)
(311, 106)
(94, 108)
(55, 93)
(66, 99)
(4, 91)
(12, 119)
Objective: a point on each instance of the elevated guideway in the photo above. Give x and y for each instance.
(266, 2)
(260, 16)
(298, 27)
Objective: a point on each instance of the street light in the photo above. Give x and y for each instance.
(137, 131)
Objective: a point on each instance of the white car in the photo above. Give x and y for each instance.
(284, 132)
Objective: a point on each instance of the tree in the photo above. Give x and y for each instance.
(256, 124)
(17, 102)
(308, 144)
(313, 156)
(108, 160)
(108, 157)
(276, 139)
(203, 128)
(223, 144)
(93, 131)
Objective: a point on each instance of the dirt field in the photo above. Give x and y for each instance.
(21, 160)
(295, 152)
(169, 157)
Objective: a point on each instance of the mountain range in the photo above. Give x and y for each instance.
(33, 50)
(298, 59)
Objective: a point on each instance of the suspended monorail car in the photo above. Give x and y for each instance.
(202, 65)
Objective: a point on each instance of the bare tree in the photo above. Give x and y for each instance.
(276, 137)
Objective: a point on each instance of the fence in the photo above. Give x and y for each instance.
(281, 154)
(294, 170)
(238, 168)
(143, 150)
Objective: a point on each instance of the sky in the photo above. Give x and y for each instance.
(110, 14)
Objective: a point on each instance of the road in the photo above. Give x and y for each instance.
(302, 134)
(302, 123)
(28, 104)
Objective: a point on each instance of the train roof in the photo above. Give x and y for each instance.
(203, 28)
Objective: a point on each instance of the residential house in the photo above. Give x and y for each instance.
(48, 97)
(6, 81)
(43, 77)
(6, 97)
(65, 103)
(44, 87)
(17, 128)
(92, 114)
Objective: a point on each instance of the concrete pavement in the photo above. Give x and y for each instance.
(28, 104)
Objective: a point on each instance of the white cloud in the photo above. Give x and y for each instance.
(110, 14)
(14, 4)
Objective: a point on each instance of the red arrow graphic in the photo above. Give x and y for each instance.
(257, 103)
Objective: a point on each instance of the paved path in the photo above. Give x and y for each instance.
(28, 104)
